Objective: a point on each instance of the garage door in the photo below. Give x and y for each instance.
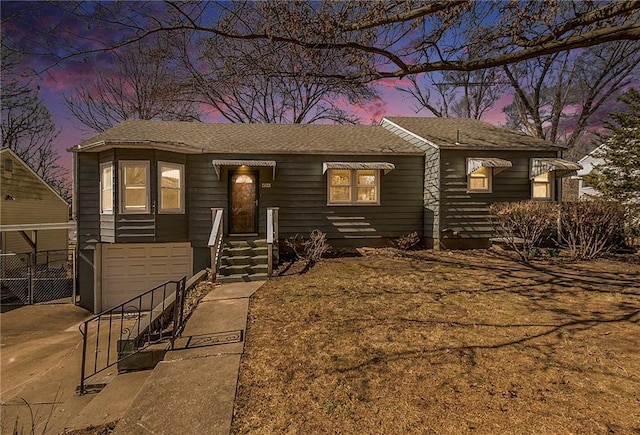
(129, 269)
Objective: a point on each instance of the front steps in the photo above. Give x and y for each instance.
(243, 260)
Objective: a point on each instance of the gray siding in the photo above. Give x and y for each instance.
(88, 200)
(300, 191)
(468, 213)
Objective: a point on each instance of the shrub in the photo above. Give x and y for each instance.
(312, 249)
(315, 247)
(407, 242)
(523, 225)
(592, 228)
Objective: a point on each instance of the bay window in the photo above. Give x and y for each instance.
(134, 186)
(171, 187)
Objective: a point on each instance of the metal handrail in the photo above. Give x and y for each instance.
(144, 331)
(215, 240)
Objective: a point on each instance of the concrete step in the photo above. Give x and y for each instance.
(244, 260)
(244, 243)
(242, 269)
(244, 277)
(244, 251)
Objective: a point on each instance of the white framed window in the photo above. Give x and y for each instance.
(353, 186)
(106, 188)
(542, 186)
(134, 186)
(171, 187)
(480, 180)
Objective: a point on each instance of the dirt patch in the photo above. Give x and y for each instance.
(449, 342)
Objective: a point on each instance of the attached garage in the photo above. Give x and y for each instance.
(129, 269)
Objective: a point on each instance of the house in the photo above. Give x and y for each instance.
(145, 192)
(33, 216)
(588, 163)
(150, 196)
(470, 165)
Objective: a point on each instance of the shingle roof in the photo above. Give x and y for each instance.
(192, 137)
(469, 134)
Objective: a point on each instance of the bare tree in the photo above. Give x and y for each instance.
(378, 39)
(557, 95)
(382, 38)
(27, 126)
(459, 94)
(256, 81)
(143, 83)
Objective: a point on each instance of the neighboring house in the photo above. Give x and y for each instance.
(588, 163)
(470, 165)
(145, 191)
(29, 208)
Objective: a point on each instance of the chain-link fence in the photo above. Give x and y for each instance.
(47, 277)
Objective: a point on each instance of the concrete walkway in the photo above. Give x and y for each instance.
(193, 389)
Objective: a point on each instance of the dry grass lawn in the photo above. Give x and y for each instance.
(452, 342)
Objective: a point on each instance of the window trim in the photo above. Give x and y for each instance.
(104, 166)
(353, 188)
(552, 184)
(489, 188)
(122, 164)
(181, 189)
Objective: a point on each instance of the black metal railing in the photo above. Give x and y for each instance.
(119, 333)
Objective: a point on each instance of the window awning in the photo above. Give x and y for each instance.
(497, 164)
(386, 167)
(217, 164)
(561, 167)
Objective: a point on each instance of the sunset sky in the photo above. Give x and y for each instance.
(57, 79)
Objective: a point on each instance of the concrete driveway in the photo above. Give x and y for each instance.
(40, 354)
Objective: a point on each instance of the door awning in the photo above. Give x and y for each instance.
(498, 165)
(561, 167)
(384, 166)
(217, 164)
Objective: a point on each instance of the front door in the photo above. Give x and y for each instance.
(243, 202)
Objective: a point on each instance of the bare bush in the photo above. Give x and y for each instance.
(312, 248)
(592, 228)
(407, 241)
(523, 225)
(315, 247)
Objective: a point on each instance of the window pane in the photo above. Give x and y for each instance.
(170, 199)
(135, 175)
(107, 179)
(543, 177)
(542, 190)
(170, 177)
(476, 183)
(367, 178)
(135, 198)
(107, 200)
(366, 194)
(340, 194)
(340, 177)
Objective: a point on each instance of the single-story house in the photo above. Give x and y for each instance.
(149, 194)
(33, 216)
(145, 192)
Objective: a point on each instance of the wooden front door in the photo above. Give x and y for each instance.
(243, 203)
